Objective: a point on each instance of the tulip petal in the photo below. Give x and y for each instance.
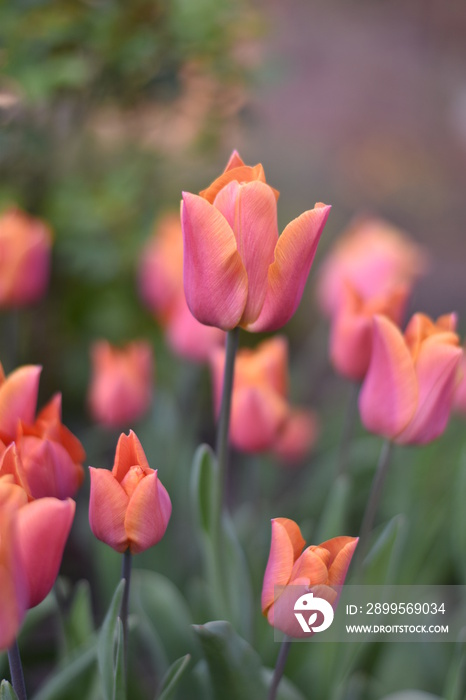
(287, 544)
(49, 420)
(311, 567)
(297, 435)
(148, 513)
(389, 392)
(288, 274)
(215, 281)
(341, 550)
(107, 509)
(436, 369)
(13, 584)
(251, 212)
(129, 452)
(18, 399)
(43, 529)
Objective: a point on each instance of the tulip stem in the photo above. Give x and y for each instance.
(16, 671)
(373, 502)
(224, 419)
(279, 667)
(126, 574)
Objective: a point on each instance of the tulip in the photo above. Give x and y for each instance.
(13, 584)
(25, 245)
(41, 454)
(374, 258)
(121, 387)
(351, 328)
(43, 529)
(129, 507)
(408, 390)
(459, 400)
(291, 572)
(237, 270)
(261, 417)
(161, 288)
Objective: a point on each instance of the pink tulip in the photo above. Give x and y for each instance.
(25, 245)
(161, 286)
(237, 270)
(374, 258)
(13, 584)
(121, 387)
(43, 529)
(261, 417)
(41, 454)
(459, 400)
(291, 572)
(351, 328)
(408, 390)
(129, 506)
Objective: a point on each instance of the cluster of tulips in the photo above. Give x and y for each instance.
(219, 267)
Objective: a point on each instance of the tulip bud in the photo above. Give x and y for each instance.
(129, 506)
(25, 245)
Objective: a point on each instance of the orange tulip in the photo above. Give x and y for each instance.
(292, 572)
(373, 258)
(25, 245)
(41, 454)
(121, 387)
(129, 506)
(161, 288)
(408, 390)
(261, 417)
(237, 270)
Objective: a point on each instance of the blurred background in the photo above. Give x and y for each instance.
(109, 109)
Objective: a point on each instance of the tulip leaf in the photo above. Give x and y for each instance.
(381, 563)
(234, 667)
(7, 692)
(109, 646)
(172, 677)
(455, 685)
(238, 580)
(458, 530)
(78, 624)
(333, 519)
(74, 679)
(203, 485)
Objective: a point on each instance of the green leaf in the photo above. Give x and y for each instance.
(204, 487)
(108, 653)
(78, 624)
(172, 677)
(458, 515)
(238, 580)
(68, 679)
(381, 564)
(332, 522)
(7, 692)
(234, 667)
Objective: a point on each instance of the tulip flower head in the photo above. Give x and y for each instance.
(129, 506)
(237, 270)
(161, 288)
(121, 387)
(32, 539)
(373, 258)
(408, 390)
(25, 245)
(39, 452)
(261, 417)
(292, 572)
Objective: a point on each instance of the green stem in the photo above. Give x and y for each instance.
(126, 574)
(16, 671)
(279, 667)
(348, 428)
(373, 502)
(224, 418)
